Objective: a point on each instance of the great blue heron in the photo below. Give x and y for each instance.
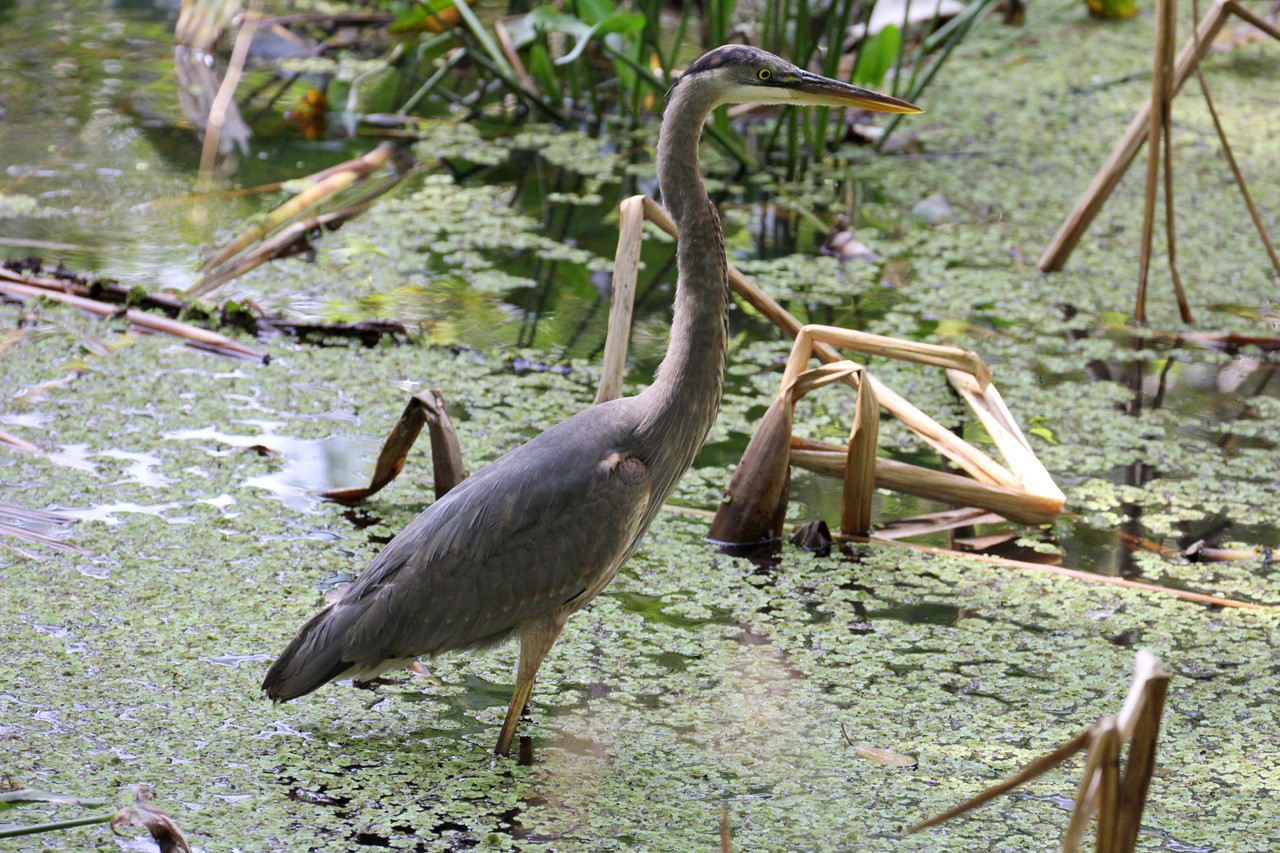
(537, 534)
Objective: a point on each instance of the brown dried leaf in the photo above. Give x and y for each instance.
(163, 830)
(887, 757)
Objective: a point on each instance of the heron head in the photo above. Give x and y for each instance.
(739, 74)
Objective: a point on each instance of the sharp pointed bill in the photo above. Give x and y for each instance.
(805, 89)
(815, 89)
(743, 75)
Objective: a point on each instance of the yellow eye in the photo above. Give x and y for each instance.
(764, 74)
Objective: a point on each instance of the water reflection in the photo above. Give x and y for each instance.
(310, 465)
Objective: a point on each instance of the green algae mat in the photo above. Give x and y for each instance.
(700, 684)
(700, 681)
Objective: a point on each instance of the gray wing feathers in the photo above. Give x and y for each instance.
(516, 541)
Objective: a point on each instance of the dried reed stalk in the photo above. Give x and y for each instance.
(1012, 503)
(323, 185)
(1235, 8)
(426, 408)
(277, 245)
(1159, 141)
(817, 339)
(1126, 148)
(1101, 789)
(996, 418)
(626, 269)
(937, 522)
(754, 507)
(1039, 767)
(223, 105)
(201, 23)
(141, 319)
(1106, 740)
(860, 462)
(10, 440)
(953, 358)
(1143, 733)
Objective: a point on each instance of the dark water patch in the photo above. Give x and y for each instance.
(921, 613)
(656, 609)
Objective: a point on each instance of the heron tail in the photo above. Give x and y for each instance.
(311, 660)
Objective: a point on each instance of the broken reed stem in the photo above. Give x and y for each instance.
(949, 357)
(1041, 765)
(1238, 9)
(814, 339)
(1086, 798)
(322, 185)
(219, 195)
(11, 440)
(423, 409)
(272, 248)
(978, 464)
(1106, 739)
(626, 270)
(141, 319)
(1171, 239)
(1000, 425)
(1226, 146)
(860, 463)
(1142, 758)
(1010, 502)
(1116, 802)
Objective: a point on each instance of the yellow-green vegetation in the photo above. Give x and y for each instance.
(699, 679)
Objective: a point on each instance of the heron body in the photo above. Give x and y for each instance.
(536, 535)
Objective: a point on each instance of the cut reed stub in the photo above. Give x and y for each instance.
(1113, 793)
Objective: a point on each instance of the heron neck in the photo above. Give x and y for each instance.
(684, 398)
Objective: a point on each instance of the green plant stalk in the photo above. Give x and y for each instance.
(836, 25)
(34, 829)
(963, 24)
(974, 14)
(486, 41)
(431, 82)
(681, 29)
(516, 88)
(793, 145)
(897, 65)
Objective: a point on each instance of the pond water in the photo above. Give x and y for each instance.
(700, 681)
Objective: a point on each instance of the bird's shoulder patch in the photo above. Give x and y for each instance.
(620, 462)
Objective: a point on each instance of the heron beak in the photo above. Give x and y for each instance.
(819, 90)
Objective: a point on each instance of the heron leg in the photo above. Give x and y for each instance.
(535, 641)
